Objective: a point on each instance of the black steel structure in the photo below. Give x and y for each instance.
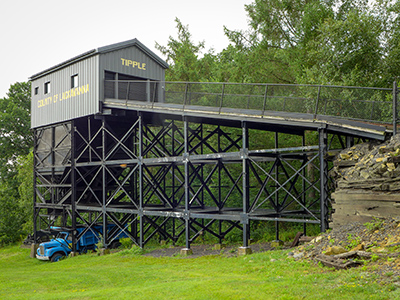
(115, 143)
(196, 163)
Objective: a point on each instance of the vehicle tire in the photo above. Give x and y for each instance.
(57, 257)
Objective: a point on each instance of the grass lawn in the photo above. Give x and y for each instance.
(124, 275)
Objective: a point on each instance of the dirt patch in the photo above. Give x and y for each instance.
(204, 249)
(379, 239)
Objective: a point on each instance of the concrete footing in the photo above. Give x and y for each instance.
(219, 246)
(34, 248)
(276, 243)
(72, 254)
(186, 251)
(104, 251)
(244, 251)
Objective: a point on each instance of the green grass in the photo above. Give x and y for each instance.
(270, 275)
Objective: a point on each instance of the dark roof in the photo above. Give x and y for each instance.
(104, 49)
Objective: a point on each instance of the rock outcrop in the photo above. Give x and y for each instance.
(367, 180)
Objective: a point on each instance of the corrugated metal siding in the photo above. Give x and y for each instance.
(59, 106)
(112, 61)
(62, 103)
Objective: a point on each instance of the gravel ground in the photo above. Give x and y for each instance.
(381, 238)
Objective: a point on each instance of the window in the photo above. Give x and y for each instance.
(74, 81)
(47, 87)
(36, 90)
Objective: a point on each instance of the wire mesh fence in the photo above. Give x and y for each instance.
(354, 103)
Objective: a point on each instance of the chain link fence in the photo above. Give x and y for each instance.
(352, 103)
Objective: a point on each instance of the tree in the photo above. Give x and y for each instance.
(16, 162)
(348, 49)
(16, 209)
(389, 12)
(10, 219)
(321, 41)
(276, 43)
(24, 178)
(183, 56)
(15, 136)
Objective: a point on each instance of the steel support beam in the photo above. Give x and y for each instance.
(246, 185)
(187, 184)
(323, 179)
(141, 187)
(73, 185)
(177, 178)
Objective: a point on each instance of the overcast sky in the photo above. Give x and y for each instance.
(38, 34)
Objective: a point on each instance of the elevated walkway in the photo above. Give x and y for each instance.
(285, 122)
(353, 111)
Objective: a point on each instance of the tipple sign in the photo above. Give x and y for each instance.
(63, 96)
(133, 64)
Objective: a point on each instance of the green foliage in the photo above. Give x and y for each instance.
(352, 241)
(25, 191)
(374, 225)
(16, 206)
(183, 55)
(16, 163)
(132, 251)
(312, 42)
(126, 243)
(15, 136)
(10, 218)
(374, 257)
(100, 243)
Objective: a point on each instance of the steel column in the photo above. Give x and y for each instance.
(277, 205)
(73, 185)
(187, 183)
(246, 185)
(323, 179)
(35, 141)
(140, 163)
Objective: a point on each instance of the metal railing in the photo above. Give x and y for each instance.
(376, 105)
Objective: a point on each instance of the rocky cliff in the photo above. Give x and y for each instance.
(367, 180)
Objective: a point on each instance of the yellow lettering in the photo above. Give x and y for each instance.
(84, 89)
(133, 63)
(63, 96)
(142, 66)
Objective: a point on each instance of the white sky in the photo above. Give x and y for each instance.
(38, 34)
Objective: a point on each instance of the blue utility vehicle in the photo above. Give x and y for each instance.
(61, 246)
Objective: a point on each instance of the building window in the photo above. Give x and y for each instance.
(36, 90)
(47, 87)
(74, 81)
